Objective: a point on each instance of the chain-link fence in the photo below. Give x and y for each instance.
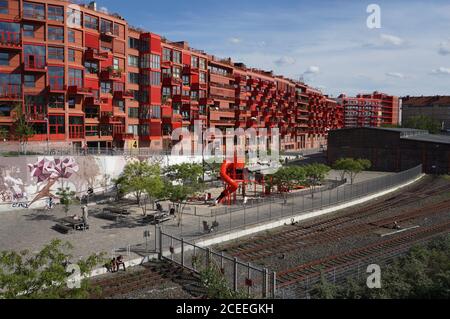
(244, 278)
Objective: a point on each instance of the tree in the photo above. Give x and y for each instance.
(287, 177)
(139, 178)
(22, 129)
(423, 122)
(351, 166)
(44, 274)
(66, 198)
(4, 133)
(315, 174)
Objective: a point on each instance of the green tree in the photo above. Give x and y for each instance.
(66, 198)
(23, 131)
(139, 178)
(423, 122)
(315, 175)
(287, 177)
(351, 167)
(44, 274)
(4, 133)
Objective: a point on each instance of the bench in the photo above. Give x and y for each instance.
(63, 228)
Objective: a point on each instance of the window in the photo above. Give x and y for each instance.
(176, 90)
(194, 62)
(116, 30)
(202, 77)
(3, 6)
(106, 87)
(91, 67)
(106, 26)
(71, 102)
(71, 36)
(4, 58)
(133, 77)
(133, 112)
(155, 62)
(186, 80)
(176, 57)
(120, 104)
(34, 10)
(76, 77)
(56, 77)
(166, 91)
(176, 108)
(194, 95)
(116, 63)
(166, 73)
(71, 55)
(133, 61)
(56, 124)
(133, 43)
(55, 33)
(150, 112)
(133, 129)
(29, 80)
(56, 101)
(34, 104)
(55, 53)
(90, 22)
(166, 54)
(91, 130)
(202, 63)
(176, 71)
(28, 30)
(91, 112)
(55, 13)
(155, 78)
(73, 18)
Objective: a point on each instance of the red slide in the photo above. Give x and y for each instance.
(232, 184)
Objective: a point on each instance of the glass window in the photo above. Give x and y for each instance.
(166, 54)
(186, 79)
(3, 6)
(133, 77)
(91, 67)
(133, 112)
(90, 22)
(166, 91)
(202, 63)
(155, 62)
(56, 77)
(155, 78)
(116, 63)
(176, 71)
(4, 58)
(56, 101)
(34, 10)
(28, 30)
(71, 55)
(55, 13)
(56, 124)
(106, 87)
(202, 77)
(55, 53)
(71, 36)
(176, 56)
(73, 18)
(76, 77)
(55, 33)
(91, 130)
(106, 26)
(194, 62)
(133, 43)
(29, 80)
(71, 102)
(133, 61)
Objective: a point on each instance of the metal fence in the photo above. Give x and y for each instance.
(272, 209)
(245, 278)
(68, 151)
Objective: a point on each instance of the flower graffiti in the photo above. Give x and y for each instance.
(51, 171)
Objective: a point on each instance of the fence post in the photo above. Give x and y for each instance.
(160, 243)
(221, 260)
(249, 277)
(235, 274)
(265, 287)
(274, 284)
(182, 252)
(208, 257)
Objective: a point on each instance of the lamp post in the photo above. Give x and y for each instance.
(48, 133)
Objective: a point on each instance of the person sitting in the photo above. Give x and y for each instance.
(172, 211)
(119, 262)
(159, 207)
(111, 266)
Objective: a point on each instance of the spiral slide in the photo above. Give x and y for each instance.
(232, 184)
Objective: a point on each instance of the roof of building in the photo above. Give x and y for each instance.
(418, 101)
(443, 139)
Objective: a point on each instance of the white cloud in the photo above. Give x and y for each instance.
(444, 48)
(285, 60)
(441, 71)
(395, 75)
(234, 40)
(312, 70)
(390, 39)
(103, 9)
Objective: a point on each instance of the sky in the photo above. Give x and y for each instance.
(325, 43)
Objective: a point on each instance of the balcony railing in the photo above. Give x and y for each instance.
(124, 94)
(92, 54)
(35, 62)
(10, 39)
(10, 91)
(113, 75)
(79, 90)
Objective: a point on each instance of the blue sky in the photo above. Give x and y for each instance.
(325, 42)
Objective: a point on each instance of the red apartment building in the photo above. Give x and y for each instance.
(83, 76)
(369, 110)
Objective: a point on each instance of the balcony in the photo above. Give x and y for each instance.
(206, 101)
(92, 54)
(36, 117)
(11, 92)
(166, 64)
(108, 34)
(78, 90)
(111, 75)
(92, 100)
(173, 81)
(35, 63)
(124, 94)
(166, 111)
(187, 69)
(221, 97)
(10, 40)
(56, 88)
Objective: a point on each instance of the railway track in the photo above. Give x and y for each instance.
(375, 252)
(264, 246)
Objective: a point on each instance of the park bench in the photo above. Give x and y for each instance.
(63, 228)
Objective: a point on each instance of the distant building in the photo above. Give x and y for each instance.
(436, 107)
(369, 110)
(392, 149)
